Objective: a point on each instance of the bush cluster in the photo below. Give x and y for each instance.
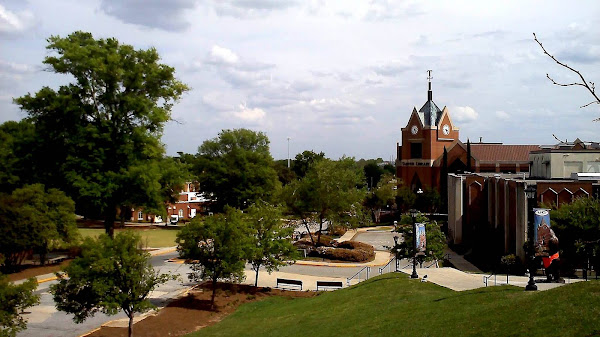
(351, 251)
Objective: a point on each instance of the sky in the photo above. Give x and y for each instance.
(340, 77)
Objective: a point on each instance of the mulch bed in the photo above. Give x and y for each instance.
(192, 312)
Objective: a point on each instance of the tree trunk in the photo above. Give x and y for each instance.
(214, 292)
(130, 328)
(256, 279)
(320, 230)
(122, 216)
(109, 221)
(309, 233)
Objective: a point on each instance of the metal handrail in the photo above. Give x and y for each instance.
(387, 265)
(367, 268)
(486, 278)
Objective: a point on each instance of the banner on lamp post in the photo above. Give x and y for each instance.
(542, 233)
(420, 238)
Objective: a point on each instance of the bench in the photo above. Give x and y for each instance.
(329, 285)
(283, 283)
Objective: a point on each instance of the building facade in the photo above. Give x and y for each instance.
(431, 148)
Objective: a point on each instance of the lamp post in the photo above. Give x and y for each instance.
(396, 250)
(530, 193)
(413, 215)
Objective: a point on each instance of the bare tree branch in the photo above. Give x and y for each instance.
(560, 140)
(591, 87)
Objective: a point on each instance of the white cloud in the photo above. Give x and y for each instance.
(464, 113)
(220, 55)
(15, 22)
(249, 114)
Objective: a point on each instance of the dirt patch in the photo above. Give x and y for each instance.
(192, 312)
(33, 271)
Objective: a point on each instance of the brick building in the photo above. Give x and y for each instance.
(429, 133)
(189, 203)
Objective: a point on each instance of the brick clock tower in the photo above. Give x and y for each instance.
(428, 131)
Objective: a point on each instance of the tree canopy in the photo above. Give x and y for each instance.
(32, 218)
(218, 246)
(111, 275)
(328, 189)
(270, 245)
(577, 226)
(304, 161)
(435, 238)
(236, 168)
(94, 133)
(14, 299)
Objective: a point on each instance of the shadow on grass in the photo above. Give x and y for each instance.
(471, 293)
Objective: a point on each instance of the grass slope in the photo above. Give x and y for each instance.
(394, 305)
(154, 237)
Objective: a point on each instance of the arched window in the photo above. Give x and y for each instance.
(140, 215)
(181, 213)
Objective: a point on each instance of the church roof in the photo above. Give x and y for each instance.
(501, 152)
(430, 114)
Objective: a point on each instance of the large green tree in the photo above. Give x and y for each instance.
(328, 189)
(236, 168)
(435, 238)
(270, 239)
(14, 299)
(577, 226)
(303, 161)
(16, 161)
(111, 275)
(95, 132)
(33, 218)
(218, 245)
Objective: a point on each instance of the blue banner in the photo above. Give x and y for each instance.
(541, 231)
(421, 238)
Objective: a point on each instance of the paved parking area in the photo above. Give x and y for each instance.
(378, 239)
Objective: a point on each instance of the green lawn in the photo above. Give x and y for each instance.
(394, 305)
(153, 237)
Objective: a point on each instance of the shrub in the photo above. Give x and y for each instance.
(351, 251)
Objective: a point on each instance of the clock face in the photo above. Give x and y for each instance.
(414, 129)
(446, 129)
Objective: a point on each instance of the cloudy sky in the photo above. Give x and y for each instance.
(335, 76)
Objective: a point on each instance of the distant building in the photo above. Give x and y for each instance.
(189, 204)
(563, 160)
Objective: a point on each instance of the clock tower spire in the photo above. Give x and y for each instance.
(429, 92)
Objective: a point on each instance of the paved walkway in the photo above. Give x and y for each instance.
(381, 259)
(460, 263)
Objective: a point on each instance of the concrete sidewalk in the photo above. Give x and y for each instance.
(309, 282)
(460, 281)
(381, 259)
(460, 263)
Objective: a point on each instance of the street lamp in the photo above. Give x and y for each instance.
(530, 193)
(413, 215)
(396, 250)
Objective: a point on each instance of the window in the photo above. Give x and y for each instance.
(416, 150)
(140, 215)
(181, 213)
